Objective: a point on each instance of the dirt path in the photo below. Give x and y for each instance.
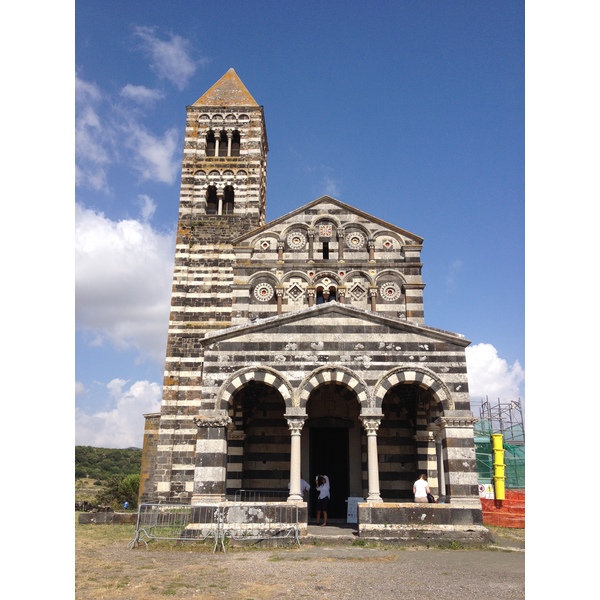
(109, 571)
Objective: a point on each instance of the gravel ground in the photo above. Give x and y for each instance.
(110, 571)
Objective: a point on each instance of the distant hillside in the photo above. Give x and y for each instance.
(101, 463)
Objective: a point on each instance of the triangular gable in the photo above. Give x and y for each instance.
(329, 200)
(328, 312)
(228, 91)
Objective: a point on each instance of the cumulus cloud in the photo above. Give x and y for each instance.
(491, 376)
(171, 58)
(122, 426)
(123, 273)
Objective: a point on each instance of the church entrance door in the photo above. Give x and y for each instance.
(329, 456)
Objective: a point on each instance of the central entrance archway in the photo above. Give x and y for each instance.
(329, 455)
(333, 445)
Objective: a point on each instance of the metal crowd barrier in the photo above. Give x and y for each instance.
(261, 522)
(241, 521)
(261, 496)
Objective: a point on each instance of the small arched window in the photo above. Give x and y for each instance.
(212, 202)
(210, 143)
(228, 198)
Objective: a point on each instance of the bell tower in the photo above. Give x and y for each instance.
(222, 196)
(224, 170)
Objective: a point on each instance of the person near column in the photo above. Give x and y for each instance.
(421, 489)
(304, 486)
(322, 482)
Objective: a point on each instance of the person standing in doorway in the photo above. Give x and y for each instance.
(421, 489)
(322, 482)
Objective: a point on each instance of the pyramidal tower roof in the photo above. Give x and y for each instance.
(228, 91)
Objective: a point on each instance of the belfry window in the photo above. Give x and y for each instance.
(210, 143)
(228, 198)
(326, 250)
(212, 202)
(223, 144)
(235, 143)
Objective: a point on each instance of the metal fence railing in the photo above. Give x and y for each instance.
(261, 495)
(240, 521)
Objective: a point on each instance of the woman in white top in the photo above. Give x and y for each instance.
(323, 498)
(421, 489)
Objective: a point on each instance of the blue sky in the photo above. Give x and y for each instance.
(411, 111)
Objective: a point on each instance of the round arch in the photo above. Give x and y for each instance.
(265, 375)
(422, 377)
(334, 374)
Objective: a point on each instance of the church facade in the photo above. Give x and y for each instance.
(297, 347)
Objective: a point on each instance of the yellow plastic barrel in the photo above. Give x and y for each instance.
(497, 441)
(499, 487)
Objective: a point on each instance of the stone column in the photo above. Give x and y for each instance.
(279, 292)
(220, 195)
(341, 295)
(341, 236)
(229, 136)
(210, 473)
(373, 291)
(310, 292)
(311, 244)
(371, 245)
(371, 425)
(295, 424)
(280, 247)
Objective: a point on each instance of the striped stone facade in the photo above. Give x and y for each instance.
(299, 346)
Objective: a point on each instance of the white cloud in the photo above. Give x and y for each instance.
(92, 138)
(141, 94)
(155, 158)
(171, 59)
(148, 206)
(491, 376)
(123, 274)
(123, 425)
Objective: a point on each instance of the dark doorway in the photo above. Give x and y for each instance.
(329, 456)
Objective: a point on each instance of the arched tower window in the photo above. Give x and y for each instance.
(235, 143)
(228, 198)
(210, 143)
(222, 144)
(212, 202)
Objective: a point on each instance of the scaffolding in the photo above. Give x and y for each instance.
(505, 418)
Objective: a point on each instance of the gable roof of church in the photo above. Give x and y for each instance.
(327, 312)
(228, 91)
(328, 199)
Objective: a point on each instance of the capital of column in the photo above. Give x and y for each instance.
(295, 423)
(371, 424)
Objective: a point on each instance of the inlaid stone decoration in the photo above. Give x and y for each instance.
(299, 346)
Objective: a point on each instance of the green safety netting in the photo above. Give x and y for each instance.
(514, 460)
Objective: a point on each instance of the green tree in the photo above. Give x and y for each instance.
(120, 489)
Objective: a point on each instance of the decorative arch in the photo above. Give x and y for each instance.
(422, 377)
(261, 374)
(334, 374)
